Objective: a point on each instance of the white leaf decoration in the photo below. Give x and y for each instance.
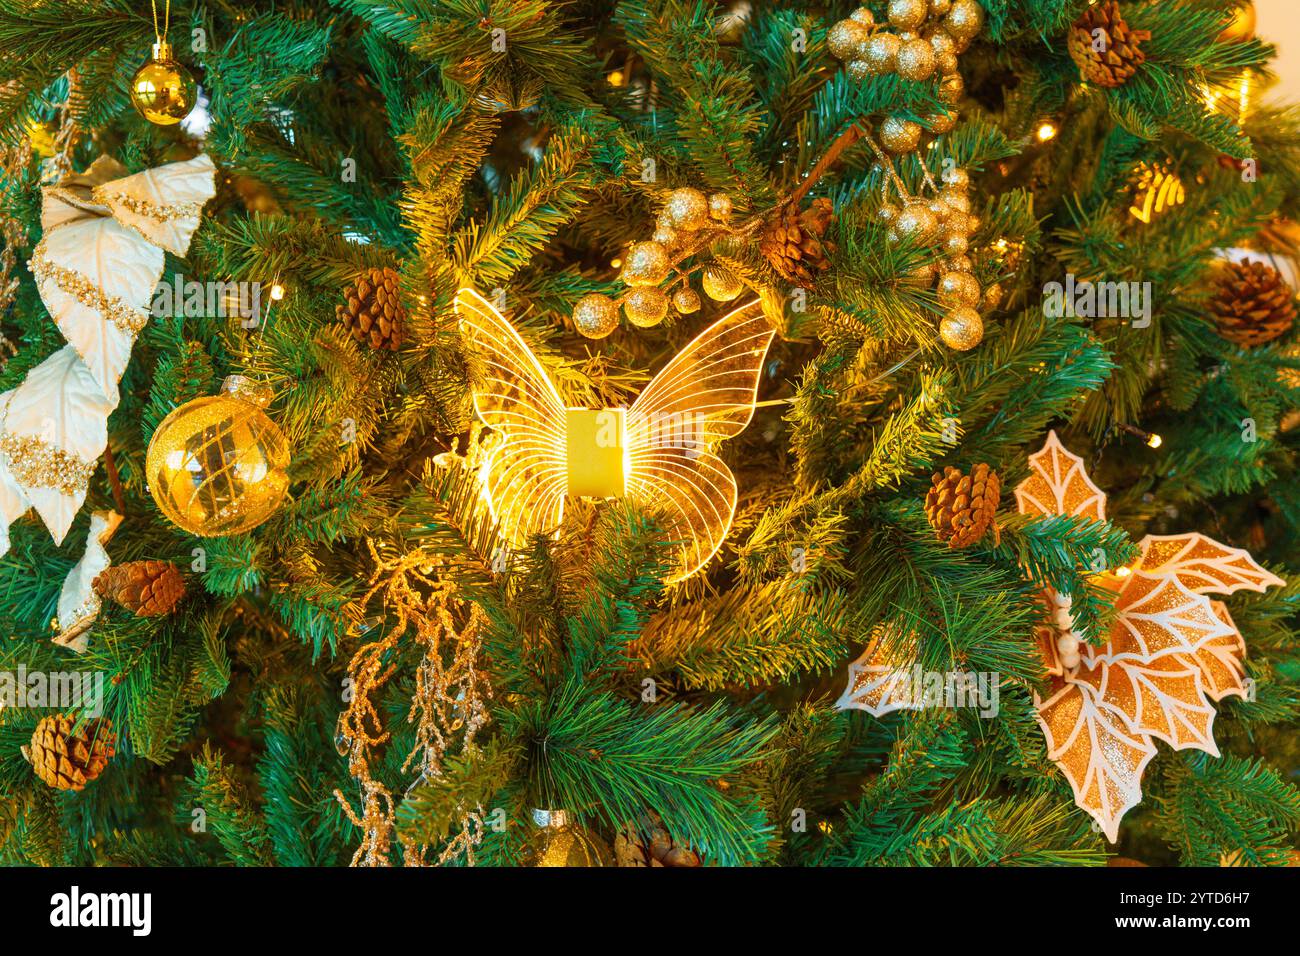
(103, 255)
(54, 429)
(78, 603)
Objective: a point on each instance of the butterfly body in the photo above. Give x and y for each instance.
(659, 451)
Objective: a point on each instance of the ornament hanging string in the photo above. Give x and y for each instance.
(167, 20)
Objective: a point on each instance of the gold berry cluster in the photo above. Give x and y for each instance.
(687, 221)
(921, 42)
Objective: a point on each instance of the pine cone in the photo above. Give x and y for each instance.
(961, 508)
(149, 588)
(374, 313)
(1252, 303)
(66, 760)
(1121, 57)
(657, 848)
(792, 241)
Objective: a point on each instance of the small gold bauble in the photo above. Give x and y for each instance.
(922, 275)
(955, 243)
(647, 263)
(686, 209)
(958, 289)
(563, 843)
(951, 89)
(964, 21)
(957, 199)
(861, 69)
(846, 38)
(939, 8)
(216, 466)
(917, 222)
(665, 236)
(864, 16)
(595, 315)
(1242, 26)
(992, 296)
(941, 122)
(907, 14)
(960, 264)
(645, 306)
(888, 213)
(686, 301)
(915, 60)
(962, 329)
(720, 206)
(162, 91)
(939, 208)
(942, 43)
(956, 177)
(721, 284)
(899, 135)
(881, 53)
(945, 63)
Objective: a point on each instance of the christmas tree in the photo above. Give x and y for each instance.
(652, 433)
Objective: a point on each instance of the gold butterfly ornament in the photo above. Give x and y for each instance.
(659, 452)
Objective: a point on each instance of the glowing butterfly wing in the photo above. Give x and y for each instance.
(704, 395)
(524, 476)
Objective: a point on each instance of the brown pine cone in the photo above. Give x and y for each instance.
(68, 760)
(791, 241)
(1122, 56)
(374, 313)
(961, 508)
(1252, 303)
(149, 588)
(655, 848)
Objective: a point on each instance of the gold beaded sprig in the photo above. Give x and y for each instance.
(921, 41)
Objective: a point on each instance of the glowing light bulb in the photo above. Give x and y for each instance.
(277, 292)
(1123, 571)
(1046, 130)
(1154, 440)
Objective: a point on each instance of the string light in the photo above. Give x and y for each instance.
(1046, 131)
(277, 292)
(1151, 439)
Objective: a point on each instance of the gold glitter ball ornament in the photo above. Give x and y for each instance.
(942, 122)
(217, 466)
(846, 38)
(907, 14)
(687, 209)
(595, 315)
(562, 842)
(958, 289)
(645, 306)
(162, 91)
(686, 301)
(961, 329)
(720, 206)
(915, 60)
(647, 263)
(917, 222)
(721, 284)
(899, 135)
(939, 8)
(880, 54)
(964, 21)
(864, 16)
